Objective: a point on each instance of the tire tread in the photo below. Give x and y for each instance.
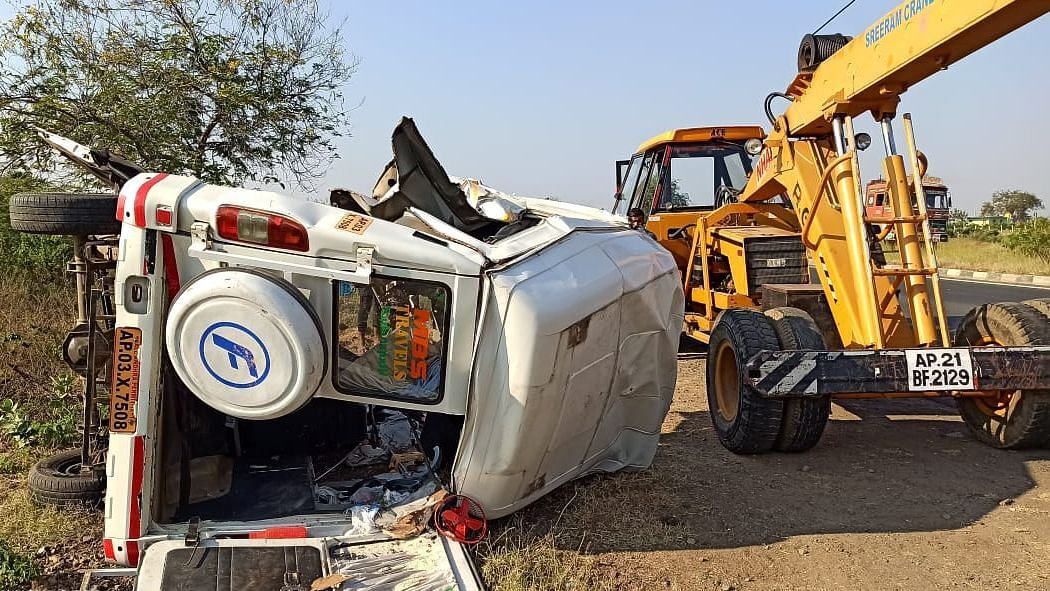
(64, 213)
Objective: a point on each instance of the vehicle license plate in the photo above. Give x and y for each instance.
(124, 392)
(940, 369)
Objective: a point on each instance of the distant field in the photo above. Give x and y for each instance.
(966, 253)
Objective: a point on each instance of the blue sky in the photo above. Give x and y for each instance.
(541, 97)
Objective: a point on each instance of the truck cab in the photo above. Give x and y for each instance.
(938, 204)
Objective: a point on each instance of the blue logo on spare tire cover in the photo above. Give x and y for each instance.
(233, 355)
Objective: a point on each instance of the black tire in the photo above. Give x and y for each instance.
(1041, 305)
(1017, 424)
(752, 424)
(804, 418)
(56, 480)
(77, 214)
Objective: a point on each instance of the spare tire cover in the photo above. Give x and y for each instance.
(247, 344)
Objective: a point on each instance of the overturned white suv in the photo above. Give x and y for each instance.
(299, 391)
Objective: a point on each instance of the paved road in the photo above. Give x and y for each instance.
(962, 296)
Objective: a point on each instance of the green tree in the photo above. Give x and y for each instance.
(677, 198)
(958, 215)
(1017, 205)
(226, 90)
(28, 253)
(1031, 238)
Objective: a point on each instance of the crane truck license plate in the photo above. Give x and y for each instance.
(124, 391)
(939, 369)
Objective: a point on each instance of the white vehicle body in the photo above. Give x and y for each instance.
(550, 351)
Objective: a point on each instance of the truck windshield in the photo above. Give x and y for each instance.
(936, 198)
(696, 172)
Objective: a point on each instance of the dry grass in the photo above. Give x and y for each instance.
(34, 318)
(517, 560)
(966, 253)
(26, 526)
(977, 255)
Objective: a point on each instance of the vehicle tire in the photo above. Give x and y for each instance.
(65, 213)
(1007, 419)
(1041, 305)
(804, 418)
(746, 423)
(56, 480)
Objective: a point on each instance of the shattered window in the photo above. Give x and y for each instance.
(391, 338)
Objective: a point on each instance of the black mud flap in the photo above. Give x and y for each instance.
(799, 374)
(226, 568)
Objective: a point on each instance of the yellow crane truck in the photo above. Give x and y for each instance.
(745, 212)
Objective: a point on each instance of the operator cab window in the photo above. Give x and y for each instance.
(704, 176)
(391, 339)
(630, 180)
(648, 185)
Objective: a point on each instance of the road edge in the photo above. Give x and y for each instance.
(1010, 278)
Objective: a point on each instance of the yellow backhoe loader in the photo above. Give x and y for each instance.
(780, 346)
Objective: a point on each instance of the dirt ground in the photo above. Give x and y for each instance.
(895, 496)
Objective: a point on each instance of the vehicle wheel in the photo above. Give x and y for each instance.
(64, 213)
(56, 480)
(746, 423)
(1042, 305)
(1006, 419)
(804, 418)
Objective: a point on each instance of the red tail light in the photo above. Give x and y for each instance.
(261, 227)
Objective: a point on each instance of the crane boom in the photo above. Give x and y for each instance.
(910, 43)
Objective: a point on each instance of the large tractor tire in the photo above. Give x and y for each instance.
(746, 422)
(804, 418)
(1041, 305)
(75, 214)
(1006, 419)
(56, 480)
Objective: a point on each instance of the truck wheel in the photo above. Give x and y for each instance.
(56, 480)
(1006, 419)
(76, 214)
(746, 423)
(804, 418)
(1042, 305)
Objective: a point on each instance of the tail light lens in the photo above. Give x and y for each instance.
(261, 227)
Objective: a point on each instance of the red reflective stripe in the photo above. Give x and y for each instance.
(137, 464)
(290, 532)
(140, 198)
(107, 550)
(120, 206)
(132, 553)
(171, 269)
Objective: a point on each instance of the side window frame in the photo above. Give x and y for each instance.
(653, 169)
(627, 193)
(446, 343)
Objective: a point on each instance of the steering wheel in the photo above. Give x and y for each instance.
(726, 195)
(679, 233)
